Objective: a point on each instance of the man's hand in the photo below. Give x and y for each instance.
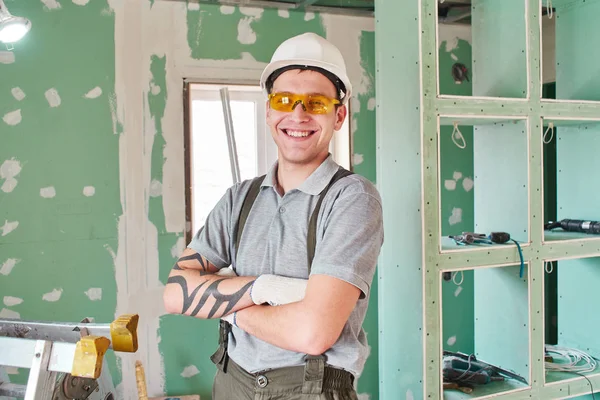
(277, 290)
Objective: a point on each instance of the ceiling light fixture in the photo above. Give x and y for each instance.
(12, 29)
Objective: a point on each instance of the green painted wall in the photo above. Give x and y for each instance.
(65, 162)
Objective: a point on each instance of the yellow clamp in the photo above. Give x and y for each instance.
(89, 354)
(123, 332)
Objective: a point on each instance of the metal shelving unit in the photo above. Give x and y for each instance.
(509, 310)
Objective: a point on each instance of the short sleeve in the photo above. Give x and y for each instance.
(352, 236)
(213, 239)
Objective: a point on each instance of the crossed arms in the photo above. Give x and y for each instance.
(310, 324)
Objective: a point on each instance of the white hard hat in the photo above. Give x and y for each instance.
(310, 50)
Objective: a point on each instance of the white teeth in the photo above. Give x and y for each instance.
(298, 133)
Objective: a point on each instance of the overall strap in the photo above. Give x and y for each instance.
(312, 225)
(246, 207)
(220, 357)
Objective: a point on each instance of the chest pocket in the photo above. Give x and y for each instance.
(311, 242)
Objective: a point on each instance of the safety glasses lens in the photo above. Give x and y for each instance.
(314, 104)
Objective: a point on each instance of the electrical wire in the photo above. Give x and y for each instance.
(571, 360)
(522, 269)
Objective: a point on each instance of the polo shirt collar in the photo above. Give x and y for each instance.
(315, 183)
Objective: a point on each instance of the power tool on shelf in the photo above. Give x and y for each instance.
(575, 225)
(466, 369)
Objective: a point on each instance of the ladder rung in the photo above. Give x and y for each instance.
(12, 390)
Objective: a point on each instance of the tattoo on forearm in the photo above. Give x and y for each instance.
(220, 298)
(187, 298)
(211, 290)
(198, 257)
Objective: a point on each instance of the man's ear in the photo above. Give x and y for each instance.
(340, 116)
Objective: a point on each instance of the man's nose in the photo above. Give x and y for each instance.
(299, 111)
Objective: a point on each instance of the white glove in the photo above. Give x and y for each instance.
(277, 290)
(227, 271)
(230, 318)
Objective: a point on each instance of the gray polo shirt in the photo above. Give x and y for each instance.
(274, 241)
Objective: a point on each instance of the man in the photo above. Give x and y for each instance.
(292, 311)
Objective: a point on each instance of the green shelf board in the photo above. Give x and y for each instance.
(553, 376)
(490, 389)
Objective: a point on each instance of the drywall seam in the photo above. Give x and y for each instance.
(139, 289)
(344, 32)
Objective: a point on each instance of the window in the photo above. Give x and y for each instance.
(209, 165)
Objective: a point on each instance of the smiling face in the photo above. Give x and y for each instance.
(302, 138)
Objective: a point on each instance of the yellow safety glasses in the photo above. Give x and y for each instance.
(312, 103)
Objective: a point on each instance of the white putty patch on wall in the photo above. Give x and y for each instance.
(451, 34)
(457, 291)
(364, 396)
(371, 104)
(193, 6)
(467, 184)
(409, 395)
(8, 265)
(81, 2)
(450, 184)
(6, 313)
(89, 191)
(94, 294)
(451, 341)
(52, 97)
(7, 57)
(252, 11)
(189, 371)
(51, 4)
(53, 296)
(246, 34)
(155, 89)
(11, 370)
(8, 171)
(283, 13)
(155, 188)
(357, 159)
(309, 15)
(13, 118)
(457, 175)
(48, 192)
(18, 93)
(9, 227)
(454, 56)
(94, 93)
(178, 248)
(456, 216)
(10, 301)
(226, 10)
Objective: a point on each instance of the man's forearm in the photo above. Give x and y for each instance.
(205, 295)
(289, 326)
